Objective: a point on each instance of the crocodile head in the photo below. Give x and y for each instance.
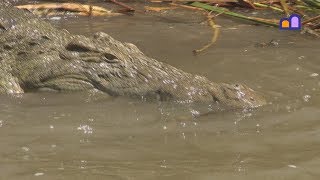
(105, 64)
(80, 63)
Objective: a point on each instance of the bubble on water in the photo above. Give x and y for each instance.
(38, 174)
(258, 128)
(83, 164)
(314, 75)
(86, 129)
(26, 149)
(91, 119)
(165, 127)
(306, 97)
(183, 135)
(183, 124)
(194, 112)
(240, 168)
(1, 123)
(292, 166)
(163, 164)
(51, 126)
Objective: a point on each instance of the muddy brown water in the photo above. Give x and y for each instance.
(86, 136)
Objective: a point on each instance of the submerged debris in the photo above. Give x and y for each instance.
(216, 31)
(308, 10)
(52, 9)
(157, 9)
(272, 43)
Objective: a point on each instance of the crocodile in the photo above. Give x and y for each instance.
(36, 56)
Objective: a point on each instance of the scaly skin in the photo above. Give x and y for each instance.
(36, 56)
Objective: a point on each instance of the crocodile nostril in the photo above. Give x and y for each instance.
(215, 99)
(32, 43)
(45, 37)
(237, 86)
(103, 76)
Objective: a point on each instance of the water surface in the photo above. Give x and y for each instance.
(87, 136)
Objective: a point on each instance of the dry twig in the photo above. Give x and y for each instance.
(285, 7)
(128, 8)
(215, 29)
(311, 19)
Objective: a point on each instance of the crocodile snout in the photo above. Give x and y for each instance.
(236, 96)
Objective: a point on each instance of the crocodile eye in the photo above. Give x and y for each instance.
(77, 47)
(110, 56)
